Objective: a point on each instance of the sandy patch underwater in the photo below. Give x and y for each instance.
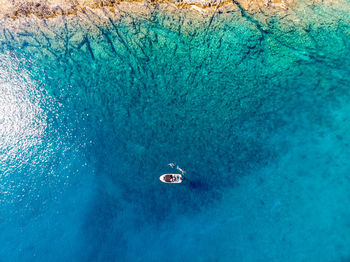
(253, 107)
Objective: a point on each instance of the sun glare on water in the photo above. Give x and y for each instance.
(22, 120)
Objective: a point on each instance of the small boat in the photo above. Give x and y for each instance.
(171, 178)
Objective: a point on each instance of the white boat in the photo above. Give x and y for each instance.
(171, 178)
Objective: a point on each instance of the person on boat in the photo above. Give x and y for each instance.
(174, 178)
(170, 178)
(179, 177)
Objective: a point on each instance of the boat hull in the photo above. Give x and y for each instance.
(165, 178)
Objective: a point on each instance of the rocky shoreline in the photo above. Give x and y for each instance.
(51, 8)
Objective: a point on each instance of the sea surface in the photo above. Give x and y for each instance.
(255, 108)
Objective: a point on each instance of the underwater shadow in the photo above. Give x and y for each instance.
(197, 184)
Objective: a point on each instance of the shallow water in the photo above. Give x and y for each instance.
(254, 108)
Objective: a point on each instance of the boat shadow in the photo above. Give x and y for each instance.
(197, 184)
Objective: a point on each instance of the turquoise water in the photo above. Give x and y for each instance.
(254, 108)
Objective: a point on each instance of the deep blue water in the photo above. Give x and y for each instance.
(254, 108)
